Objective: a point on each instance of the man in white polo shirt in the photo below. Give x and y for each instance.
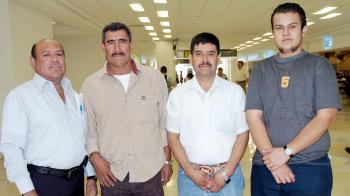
(207, 129)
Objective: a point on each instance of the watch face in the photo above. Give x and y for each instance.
(288, 151)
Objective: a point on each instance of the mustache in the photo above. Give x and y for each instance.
(205, 63)
(117, 54)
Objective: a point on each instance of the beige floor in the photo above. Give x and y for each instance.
(340, 136)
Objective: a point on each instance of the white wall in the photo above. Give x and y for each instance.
(84, 56)
(165, 56)
(27, 27)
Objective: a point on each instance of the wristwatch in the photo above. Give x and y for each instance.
(226, 178)
(288, 151)
(91, 178)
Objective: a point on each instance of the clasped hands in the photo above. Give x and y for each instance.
(275, 160)
(204, 181)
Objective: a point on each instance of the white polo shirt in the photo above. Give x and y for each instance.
(208, 122)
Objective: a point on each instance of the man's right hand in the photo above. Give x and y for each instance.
(283, 175)
(200, 178)
(103, 170)
(31, 193)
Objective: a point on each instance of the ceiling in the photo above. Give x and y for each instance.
(233, 21)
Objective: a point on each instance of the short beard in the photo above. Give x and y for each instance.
(292, 49)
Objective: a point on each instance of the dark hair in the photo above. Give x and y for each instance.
(241, 62)
(33, 50)
(115, 26)
(163, 69)
(204, 38)
(290, 7)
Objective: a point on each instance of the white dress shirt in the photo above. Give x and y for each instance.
(208, 122)
(39, 128)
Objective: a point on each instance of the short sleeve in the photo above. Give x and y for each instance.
(253, 100)
(173, 113)
(326, 86)
(239, 117)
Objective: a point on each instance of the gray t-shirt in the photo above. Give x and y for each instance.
(290, 91)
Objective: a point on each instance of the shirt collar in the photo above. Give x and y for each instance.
(216, 84)
(136, 69)
(40, 82)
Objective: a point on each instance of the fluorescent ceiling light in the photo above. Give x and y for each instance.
(149, 28)
(264, 40)
(144, 19)
(242, 44)
(256, 43)
(53, 22)
(159, 1)
(248, 46)
(271, 36)
(249, 42)
(155, 38)
(163, 14)
(257, 38)
(167, 36)
(166, 30)
(332, 15)
(165, 23)
(152, 33)
(136, 7)
(310, 23)
(325, 10)
(267, 34)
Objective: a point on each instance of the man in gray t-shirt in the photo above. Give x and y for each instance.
(292, 100)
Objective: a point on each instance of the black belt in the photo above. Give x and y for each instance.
(58, 172)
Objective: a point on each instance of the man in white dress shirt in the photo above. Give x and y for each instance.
(43, 135)
(207, 129)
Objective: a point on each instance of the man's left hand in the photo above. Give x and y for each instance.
(275, 158)
(166, 173)
(91, 188)
(217, 183)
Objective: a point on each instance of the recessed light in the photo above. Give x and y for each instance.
(166, 30)
(159, 1)
(310, 23)
(249, 42)
(267, 34)
(163, 14)
(257, 38)
(152, 33)
(332, 15)
(136, 7)
(325, 10)
(248, 46)
(165, 23)
(144, 19)
(271, 36)
(155, 38)
(255, 43)
(264, 40)
(242, 44)
(167, 36)
(149, 28)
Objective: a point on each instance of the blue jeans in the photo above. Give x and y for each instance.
(312, 178)
(187, 187)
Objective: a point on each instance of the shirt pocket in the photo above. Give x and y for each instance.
(144, 108)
